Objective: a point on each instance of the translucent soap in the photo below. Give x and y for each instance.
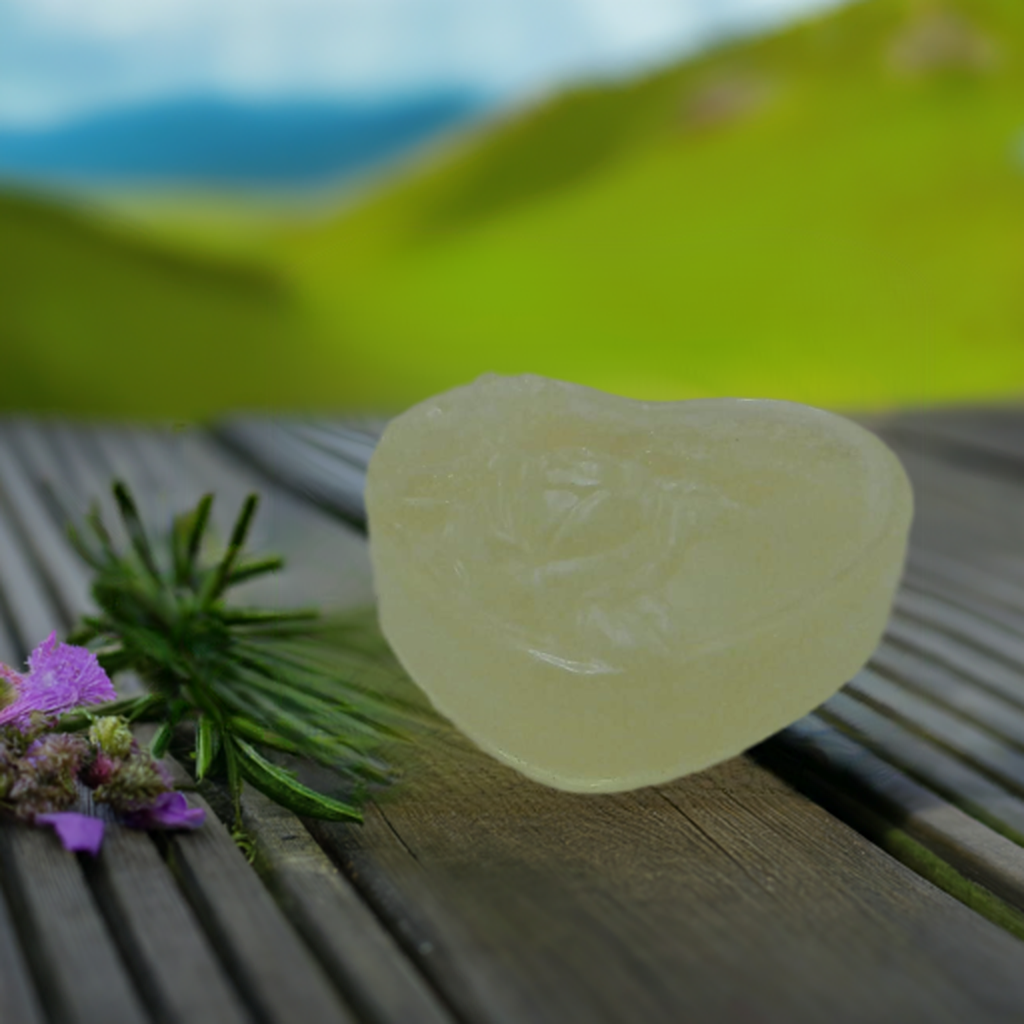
(605, 593)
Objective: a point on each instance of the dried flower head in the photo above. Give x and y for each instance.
(112, 735)
(133, 783)
(46, 773)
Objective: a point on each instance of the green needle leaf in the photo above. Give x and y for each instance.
(161, 740)
(79, 543)
(244, 727)
(132, 708)
(217, 580)
(187, 539)
(136, 532)
(208, 743)
(267, 617)
(95, 521)
(256, 567)
(282, 787)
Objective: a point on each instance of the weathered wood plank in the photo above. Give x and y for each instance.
(935, 767)
(327, 563)
(377, 978)
(976, 851)
(982, 668)
(83, 979)
(990, 437)
(18, 1000)
(178, 969)
(976, 746)
(972, 627)
(47, 539)
(951, 690)
(999, 598)
(32, 614)
(315, 475)
(721, 894)
(351, 446)
(278, 975)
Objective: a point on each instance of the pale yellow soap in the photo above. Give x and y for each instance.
(605, 593)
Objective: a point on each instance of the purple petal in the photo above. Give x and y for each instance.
(78, 832)
(60, 677)
(169, 810)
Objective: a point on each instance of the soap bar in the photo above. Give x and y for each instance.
(607, 593)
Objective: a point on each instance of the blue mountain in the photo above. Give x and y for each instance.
(218, 142)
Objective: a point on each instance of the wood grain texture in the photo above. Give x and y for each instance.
(302, 468)
(976, 746)
(969, 625)
(990, 437)
(998, 599)
(179, 971)
(83, 979)
(146, 918)
(951, 690)
(357, 950)
(47, 540)
(722, 895)
(19, 1003)
(931, 764)
(277, 974)
(979, 667)
(975, 850)
(32, 613)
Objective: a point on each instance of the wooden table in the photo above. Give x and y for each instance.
(865, 865)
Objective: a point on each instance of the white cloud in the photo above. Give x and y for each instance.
(58, 57)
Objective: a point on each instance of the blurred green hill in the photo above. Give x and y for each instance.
(94, 320)
(832, 214)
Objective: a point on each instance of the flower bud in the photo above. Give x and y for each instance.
(112, 735)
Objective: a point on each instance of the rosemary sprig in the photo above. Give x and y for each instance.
(247, 678)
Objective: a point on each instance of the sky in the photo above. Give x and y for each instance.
(63, 58)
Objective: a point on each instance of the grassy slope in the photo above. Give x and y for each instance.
(838, 231)
(790, 216)
(95, 321)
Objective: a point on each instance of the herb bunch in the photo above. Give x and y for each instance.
(248, 679)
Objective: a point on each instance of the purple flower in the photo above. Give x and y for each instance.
(168, 811)
(60, 677)
(77, 832)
